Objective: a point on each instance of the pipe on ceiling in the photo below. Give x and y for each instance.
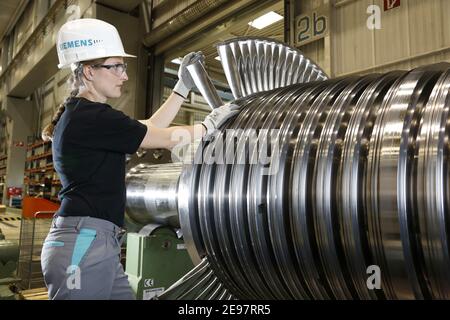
(181, 20)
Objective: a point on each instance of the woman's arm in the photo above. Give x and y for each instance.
(160, 136)
(168, 138)
(167, 112)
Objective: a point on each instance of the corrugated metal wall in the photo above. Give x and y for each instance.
(55, 91)
(416, 33)
(33, 14)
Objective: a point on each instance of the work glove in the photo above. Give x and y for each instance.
(218, 117)
(185, 82)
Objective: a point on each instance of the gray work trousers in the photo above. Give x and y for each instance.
(80, 260)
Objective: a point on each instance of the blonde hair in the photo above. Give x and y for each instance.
(75, 81)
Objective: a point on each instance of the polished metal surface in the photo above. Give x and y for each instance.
(204, 84)
(152, 194)
(358, 177)
(198, 284)
(254, 65)
(360, 180)
(432, 152)
(188, 221)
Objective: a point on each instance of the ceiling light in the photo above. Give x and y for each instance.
(265, 20)
(176, 61)
(217, 58)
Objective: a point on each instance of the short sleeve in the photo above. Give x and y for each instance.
(113, 130)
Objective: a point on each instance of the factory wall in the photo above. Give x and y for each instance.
(128, 27)
(21, 113)
(410, 35)
(35, 59)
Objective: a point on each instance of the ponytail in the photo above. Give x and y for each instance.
(47, 133)
(75, 82)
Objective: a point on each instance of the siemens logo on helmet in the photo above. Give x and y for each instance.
(77, 43)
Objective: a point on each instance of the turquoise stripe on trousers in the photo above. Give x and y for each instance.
(82, 244)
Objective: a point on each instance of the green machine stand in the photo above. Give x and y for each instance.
(156, 258)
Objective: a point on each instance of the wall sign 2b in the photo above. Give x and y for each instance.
(311, 26)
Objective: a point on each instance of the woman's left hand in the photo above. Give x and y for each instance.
(185, 82)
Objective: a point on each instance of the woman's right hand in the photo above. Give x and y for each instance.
(218, 117)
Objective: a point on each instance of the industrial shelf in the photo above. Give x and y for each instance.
(39, 156)
(41, 179)
(35, 145)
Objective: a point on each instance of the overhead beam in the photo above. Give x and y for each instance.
(225, 30)
(225, 15)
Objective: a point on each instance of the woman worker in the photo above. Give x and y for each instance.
(81, 254)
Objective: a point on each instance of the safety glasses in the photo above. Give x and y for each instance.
(118, 68)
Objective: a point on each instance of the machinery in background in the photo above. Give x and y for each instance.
(9, 256)
(153, 191)
(359, 181)
(156, 258)
(156, 255)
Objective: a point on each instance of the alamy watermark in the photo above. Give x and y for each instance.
(74, 277)
(374, 20)
(374, 280)
(231, 146)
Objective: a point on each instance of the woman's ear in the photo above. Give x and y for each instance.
(87, 72)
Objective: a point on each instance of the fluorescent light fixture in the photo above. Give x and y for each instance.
(265, 20)
(217, 58)
(176, 61)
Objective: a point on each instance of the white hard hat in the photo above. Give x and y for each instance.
(88, 39)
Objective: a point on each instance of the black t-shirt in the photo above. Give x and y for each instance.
(89, 145)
